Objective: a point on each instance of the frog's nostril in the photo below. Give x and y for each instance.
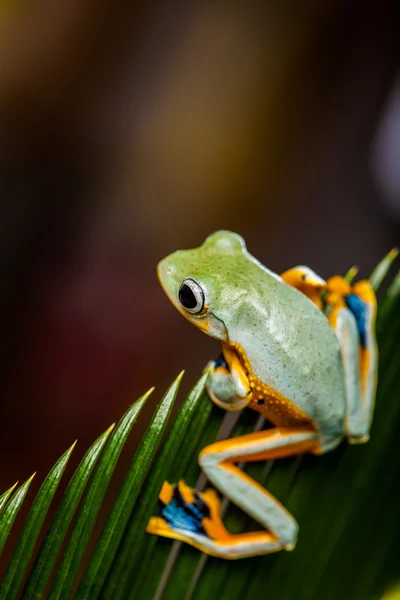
(165, 270)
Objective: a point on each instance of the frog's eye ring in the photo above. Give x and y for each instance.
(191, 296)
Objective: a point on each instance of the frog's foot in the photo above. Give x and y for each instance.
(219, 364)
(184, 511)
(195, 518)
(228, 385)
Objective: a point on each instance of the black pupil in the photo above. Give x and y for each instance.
(186, 297)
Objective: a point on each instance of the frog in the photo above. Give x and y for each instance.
(299, 350)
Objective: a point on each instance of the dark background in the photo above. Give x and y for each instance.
(128, 131)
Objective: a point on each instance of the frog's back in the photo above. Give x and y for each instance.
(291, 346)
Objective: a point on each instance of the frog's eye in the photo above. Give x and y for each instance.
(191, 296)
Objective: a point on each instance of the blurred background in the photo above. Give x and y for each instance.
(128, 131)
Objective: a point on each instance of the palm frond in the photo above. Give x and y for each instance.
(346, 503)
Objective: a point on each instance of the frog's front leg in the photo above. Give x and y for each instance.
(228, 385)
(194, 517)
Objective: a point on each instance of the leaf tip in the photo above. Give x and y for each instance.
(174, 387)
(143, 399)
(351, 273)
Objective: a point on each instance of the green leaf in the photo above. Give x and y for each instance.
(4, 497)
(130, 548)
(42, 568)
(117, 521)
(65, 578)
(379, 273)
(174, 457)
(26, 543)
(11, 510)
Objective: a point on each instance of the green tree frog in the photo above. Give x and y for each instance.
(297, 349)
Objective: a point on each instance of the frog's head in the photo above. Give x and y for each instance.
(206, 284)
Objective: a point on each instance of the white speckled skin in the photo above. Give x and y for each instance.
(287, 340)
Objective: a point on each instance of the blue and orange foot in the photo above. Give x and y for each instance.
(189, 516)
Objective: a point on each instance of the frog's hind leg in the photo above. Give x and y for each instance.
(307, 282)
(365, 314)
(354, 322)
(206, 531)
(363, 305)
